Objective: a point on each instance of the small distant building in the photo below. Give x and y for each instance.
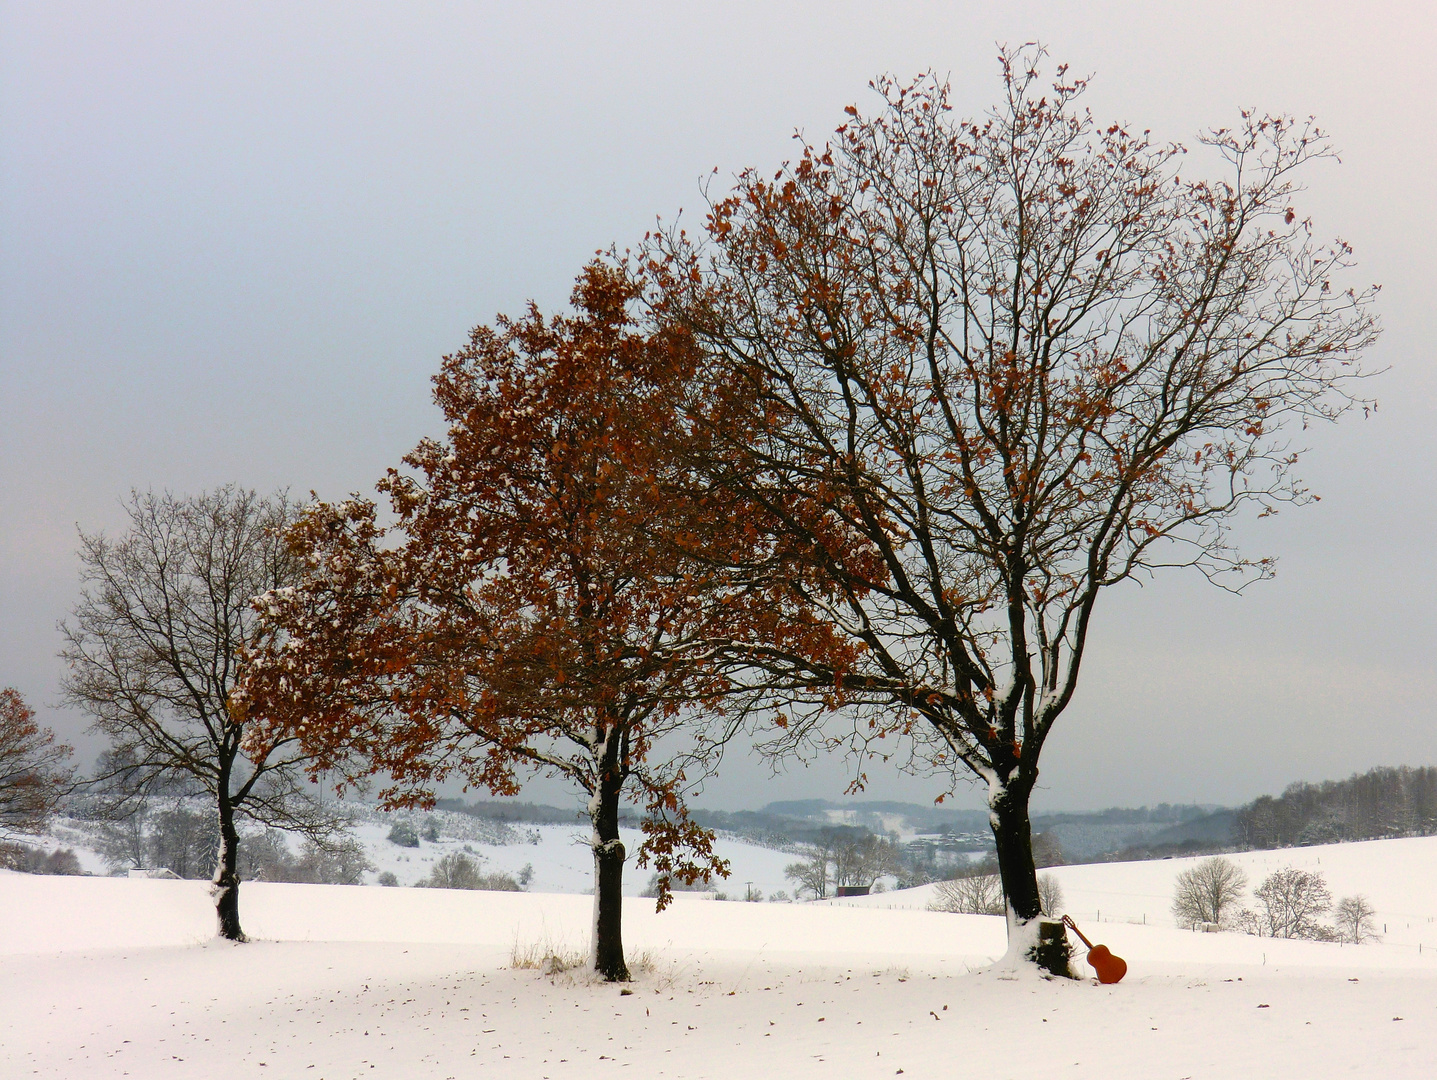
(163, 873)
(853, 890)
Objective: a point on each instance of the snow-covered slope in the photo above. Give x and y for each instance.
(104, 977)
(1399, 877)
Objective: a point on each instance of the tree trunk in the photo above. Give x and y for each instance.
(226, 884)
(608, 942)
(1013, 837)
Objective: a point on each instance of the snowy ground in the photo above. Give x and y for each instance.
(112, 977)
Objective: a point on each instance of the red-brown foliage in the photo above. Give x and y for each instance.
(1024, 360)
(33, 774)
(558, 593)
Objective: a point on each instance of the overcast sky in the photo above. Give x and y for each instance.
(235, 240)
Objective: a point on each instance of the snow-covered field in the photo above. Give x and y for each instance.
(105, 977)
(558, 856)
(1399, 877)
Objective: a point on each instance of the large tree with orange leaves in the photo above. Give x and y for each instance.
(558, 593)
(1020, 360)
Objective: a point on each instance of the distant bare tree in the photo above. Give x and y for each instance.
(1050, 895)
(460, 871)
(979, 894)
(1353, 915)
(810, 875)
(334, 861)
(861, 859)
(154, 649)
(29, 860)
(1209, 892)
(1293, 903)
(33, 773)
(265, 856)
(1047, 850)
(123, 841)
(454, 871)
(183, 841)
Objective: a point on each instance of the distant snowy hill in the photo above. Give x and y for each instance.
(551, 857)
(557, 856)
(1398, 876)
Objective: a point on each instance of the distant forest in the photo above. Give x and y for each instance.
(1379, 803)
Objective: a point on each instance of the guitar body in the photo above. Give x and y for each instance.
(1110, 968)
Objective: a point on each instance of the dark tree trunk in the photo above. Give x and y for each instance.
(226, 883)
(608, 952)
(1013, 837)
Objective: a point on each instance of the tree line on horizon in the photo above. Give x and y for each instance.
(1383, 802)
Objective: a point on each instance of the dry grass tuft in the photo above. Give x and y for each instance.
(550, 957)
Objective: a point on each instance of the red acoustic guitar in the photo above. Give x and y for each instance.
(1110, 968)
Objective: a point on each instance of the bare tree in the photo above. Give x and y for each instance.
(460, 871)
(183, 841)
(154, 650)
(977, 894)
(33, 770)
(1050, 895)
(266, 856)
(844, 857)
(122, 839)
(810, 875)
(1293, 903)
(1353, 916)
(987, 369)
(861, 858)
(1208, 892)
(29, 860)
(1047, 850)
